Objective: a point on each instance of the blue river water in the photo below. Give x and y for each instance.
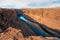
(22, 18)
(35, 29)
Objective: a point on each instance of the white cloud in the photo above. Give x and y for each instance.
(45, 4)
(29, 3)
(14, 3)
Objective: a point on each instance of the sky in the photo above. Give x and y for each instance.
(29, 3)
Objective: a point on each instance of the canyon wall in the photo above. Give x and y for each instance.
(12, 28)
(47, 16)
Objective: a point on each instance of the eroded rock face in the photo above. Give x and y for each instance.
(12, 28)
(10, 24)
(49, 17)
(14, 34)
(11, 34)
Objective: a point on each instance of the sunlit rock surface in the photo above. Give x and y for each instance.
(47, 16)
(12, 28)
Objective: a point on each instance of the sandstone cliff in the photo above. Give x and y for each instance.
(12, 28)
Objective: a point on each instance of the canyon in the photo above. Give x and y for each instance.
(45, 20)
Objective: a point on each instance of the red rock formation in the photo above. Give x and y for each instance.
(46, 16)
(12, 28)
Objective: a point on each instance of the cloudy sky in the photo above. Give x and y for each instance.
(29, 3)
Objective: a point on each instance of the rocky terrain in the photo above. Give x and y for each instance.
(12, 28)
(46, 16)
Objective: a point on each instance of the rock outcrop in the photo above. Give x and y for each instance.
(12, 28)
(47, 16)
